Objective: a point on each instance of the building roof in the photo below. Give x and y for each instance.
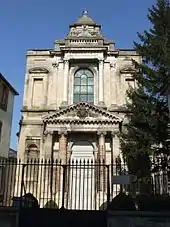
(85, 19)
(12, 153)
(8, 84)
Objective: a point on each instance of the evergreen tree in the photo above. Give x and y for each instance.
(147, 107)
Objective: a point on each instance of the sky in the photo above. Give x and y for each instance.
(37, 24)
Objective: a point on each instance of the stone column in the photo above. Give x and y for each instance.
(101, 84)
(101, 143)
(113, 84)
(45, 182)
(101, 170)
(115, 144)
(63, 146)
(65, 90)
(46, 88)
(47, 152)
(115, 153)
(63, 157)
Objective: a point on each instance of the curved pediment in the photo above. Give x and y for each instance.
(82, 113)
(38, 70)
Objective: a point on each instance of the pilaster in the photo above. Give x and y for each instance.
(115, 144)
(115, 152)
(101, 142)
(113, 83)
(63, 146)
(53, 92)
(65, 84)
(101, 83)
(47, 152)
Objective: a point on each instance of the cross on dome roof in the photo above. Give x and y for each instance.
(85, 19)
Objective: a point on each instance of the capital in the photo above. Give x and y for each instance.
(48, 132)
(100, 133)
(55, 64)
(66, 61)
(113, 63)
(101, 60)
(115, 132)
(62, 132)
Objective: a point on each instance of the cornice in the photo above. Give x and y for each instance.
(127, 71)
(38, 70)
(77, 24)
(55, 53)
(113, 52)
(34, 110)
(38, 52)
(83, 48)
(31, 122)
(82, 121)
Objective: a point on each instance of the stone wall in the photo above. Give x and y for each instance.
(52, 71)
(9, 217)
(138, 219)
(41, 66)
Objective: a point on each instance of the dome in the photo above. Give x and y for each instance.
(85, 19)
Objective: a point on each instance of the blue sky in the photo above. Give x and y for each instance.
(37, 23)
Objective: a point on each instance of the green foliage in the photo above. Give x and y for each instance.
(147, 106)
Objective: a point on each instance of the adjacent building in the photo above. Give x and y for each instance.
(7, 94)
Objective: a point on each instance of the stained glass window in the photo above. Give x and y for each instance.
(83, 86)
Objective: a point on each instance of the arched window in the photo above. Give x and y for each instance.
(32, 151)
(83, 86)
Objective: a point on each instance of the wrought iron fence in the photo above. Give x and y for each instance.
(80, 184)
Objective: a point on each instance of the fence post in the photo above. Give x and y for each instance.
(63, 189)
(22, 183)
(108, 185)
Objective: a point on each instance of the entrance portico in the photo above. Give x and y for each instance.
(74, 129)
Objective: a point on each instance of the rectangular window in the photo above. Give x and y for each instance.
(0, 131)
(4, 92)
(37, 92)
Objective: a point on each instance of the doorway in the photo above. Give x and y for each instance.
(81, 176)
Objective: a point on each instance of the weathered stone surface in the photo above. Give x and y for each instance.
(54, 70)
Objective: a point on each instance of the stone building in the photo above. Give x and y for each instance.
(7, 94)
(74, 96)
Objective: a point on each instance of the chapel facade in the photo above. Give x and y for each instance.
(74, 96)
(73, 110)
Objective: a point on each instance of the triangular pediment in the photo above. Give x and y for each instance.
(82, 112)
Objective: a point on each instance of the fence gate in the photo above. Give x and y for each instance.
(81, 185)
